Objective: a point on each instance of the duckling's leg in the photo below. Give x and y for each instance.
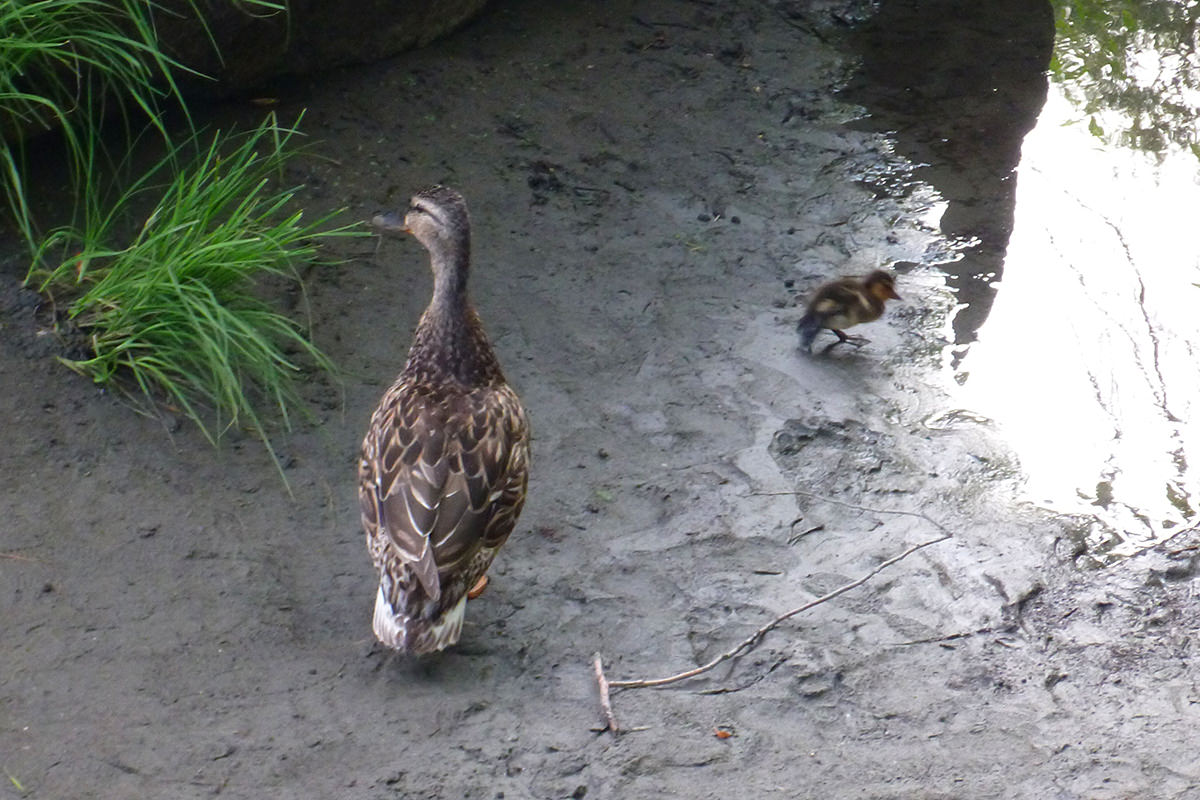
(478, 588)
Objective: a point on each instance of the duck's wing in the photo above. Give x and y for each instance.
(399, 483)
(837, 296)
(485, 488)
(444, 477)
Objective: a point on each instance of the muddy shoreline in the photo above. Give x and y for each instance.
(654, 187)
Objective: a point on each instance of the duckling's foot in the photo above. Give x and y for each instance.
(478, 588)
(857, 341)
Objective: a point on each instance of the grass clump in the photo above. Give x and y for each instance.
(69, 65)
(66, 65)
(164, 269)
(179, 309)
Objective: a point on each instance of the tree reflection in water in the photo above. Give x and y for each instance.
(1132, 69)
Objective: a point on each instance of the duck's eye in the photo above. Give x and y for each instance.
(433, 212)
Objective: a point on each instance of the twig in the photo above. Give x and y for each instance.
(844, 504)
(18, 557)
(757, 636)
(950, 637)
(605, 703)
(795, 537)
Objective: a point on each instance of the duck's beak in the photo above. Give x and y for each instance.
(892, 294)
(390, 221)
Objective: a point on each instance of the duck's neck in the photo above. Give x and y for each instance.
(450, 344)
(451, 265)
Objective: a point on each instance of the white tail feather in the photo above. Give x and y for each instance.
(448, 628)
(411, 634)
(389, 629)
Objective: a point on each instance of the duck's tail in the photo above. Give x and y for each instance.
(414, 634)
(808, 328)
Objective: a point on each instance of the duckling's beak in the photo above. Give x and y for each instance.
(892, 294)
(390, 222)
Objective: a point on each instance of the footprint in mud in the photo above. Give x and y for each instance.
(831, 455)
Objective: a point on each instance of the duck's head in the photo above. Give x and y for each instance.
(436, 216)
(881, 285)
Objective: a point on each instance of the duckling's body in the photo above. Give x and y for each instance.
(843, 303)
(445, 460)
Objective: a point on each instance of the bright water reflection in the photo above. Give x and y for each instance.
(1088, 358)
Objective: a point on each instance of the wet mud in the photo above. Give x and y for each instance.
(655, 187)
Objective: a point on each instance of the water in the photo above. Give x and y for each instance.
(1078, 200)
(1088, 358)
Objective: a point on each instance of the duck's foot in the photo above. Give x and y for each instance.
(478, 588)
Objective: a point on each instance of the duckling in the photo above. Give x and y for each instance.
(445, 461)
(845, 302)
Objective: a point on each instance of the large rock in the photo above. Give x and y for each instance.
(313, 35)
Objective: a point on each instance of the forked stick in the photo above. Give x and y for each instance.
(610, 720)
(756, 637)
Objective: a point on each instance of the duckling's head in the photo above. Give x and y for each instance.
(437, 217)
(881, 285)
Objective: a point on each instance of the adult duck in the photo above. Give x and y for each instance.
(445, 461)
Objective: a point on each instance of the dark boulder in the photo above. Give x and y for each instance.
(311, 36)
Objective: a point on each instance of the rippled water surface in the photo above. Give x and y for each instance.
(1087, 360)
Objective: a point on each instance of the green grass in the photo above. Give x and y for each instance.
(178, 313)
(70, 65)
(168, 271)
(66, 65)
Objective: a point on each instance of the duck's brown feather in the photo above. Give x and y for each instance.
(442, 481)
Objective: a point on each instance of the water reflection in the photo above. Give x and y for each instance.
(958, 84)
(1088, 358)
(1131, 70)
(1078, 290)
